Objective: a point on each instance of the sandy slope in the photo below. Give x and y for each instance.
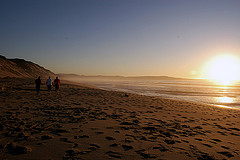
(21, 68)
(88, 123)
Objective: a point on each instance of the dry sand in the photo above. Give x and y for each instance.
(80, 122)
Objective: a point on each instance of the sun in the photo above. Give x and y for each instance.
(224, 69)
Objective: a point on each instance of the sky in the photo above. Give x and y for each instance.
(120, 37)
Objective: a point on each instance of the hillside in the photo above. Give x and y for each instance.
(21, 68)
(99, 77)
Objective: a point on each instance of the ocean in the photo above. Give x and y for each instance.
(200, 91)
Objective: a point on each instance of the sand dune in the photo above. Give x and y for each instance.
(81, 122)
(21, 68)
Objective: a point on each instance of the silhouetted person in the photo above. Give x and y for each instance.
(49, 84)
(38, 83)
(56, 83)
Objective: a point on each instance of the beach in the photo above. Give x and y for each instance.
(191, 90)
(85, 122)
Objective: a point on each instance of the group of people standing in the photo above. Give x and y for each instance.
(49, 84)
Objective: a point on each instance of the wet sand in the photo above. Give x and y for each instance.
(83, 122)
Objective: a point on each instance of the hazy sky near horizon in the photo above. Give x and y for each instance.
(120, 37)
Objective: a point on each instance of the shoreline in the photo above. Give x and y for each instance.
(84, 123)
(202, 103)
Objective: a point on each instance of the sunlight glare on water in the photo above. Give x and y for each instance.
(200, 91)
(225, 99)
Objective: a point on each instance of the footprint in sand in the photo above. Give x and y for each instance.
(217, 140)
(145, 155)
(235, 129)
(92, 148)
(213, 142)
(129, 139)
(99, 132)
(169, 141)
(113, 154)
(225, 147)
(227, 154)
(161, 148)
(15, 149)
(83, 136)
(126, 147)
(110, 138)
(65, 140)
(222, 133)
(198, 139)
(46, 137)
(94, 129)
(75, 145)
(95, 145)
(72, 152)
(208, 145)
(113, 145)
(185, 141)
